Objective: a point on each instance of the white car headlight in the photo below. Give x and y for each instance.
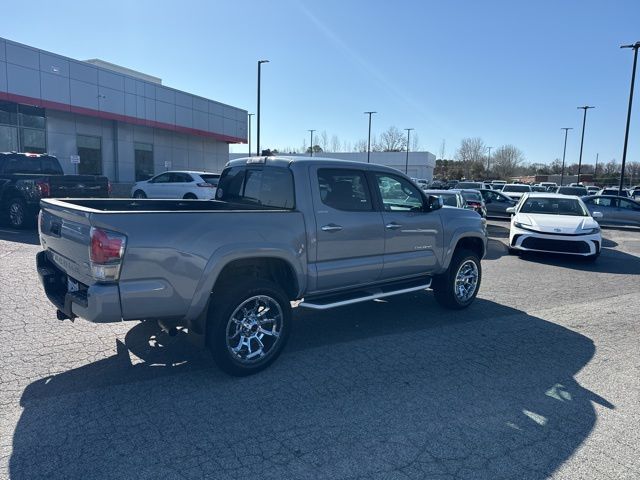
(590, 231)
(522, 225)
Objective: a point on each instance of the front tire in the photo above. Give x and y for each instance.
(139, 194)
(458, 286)
(248, 326)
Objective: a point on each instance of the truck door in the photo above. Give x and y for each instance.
(349, 231)
(412, 235)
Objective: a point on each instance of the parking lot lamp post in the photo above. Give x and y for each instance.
(564, 153)
(260, 62)
(584, 121)
(635, 47)
(406, 163)
(249, 139)
(369, 142)
(311, 147)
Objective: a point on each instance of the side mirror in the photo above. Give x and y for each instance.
(434, 202)
(511, 210)
(597, 215)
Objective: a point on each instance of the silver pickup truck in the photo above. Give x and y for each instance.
(318, 233)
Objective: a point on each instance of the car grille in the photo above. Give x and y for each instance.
(564, 246)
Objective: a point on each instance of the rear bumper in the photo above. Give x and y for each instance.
(99, 303)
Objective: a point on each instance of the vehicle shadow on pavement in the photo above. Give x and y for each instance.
(610, 261)
(396, 388)
(29, 237)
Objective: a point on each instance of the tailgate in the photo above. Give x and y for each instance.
(79, 186)
(65, 236)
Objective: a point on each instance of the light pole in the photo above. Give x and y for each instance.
(311, 148)
(584, 121)
(595, 169)
(250, 115)
(260, 62)
(489, 159)
(369, 142)
(635, 47)
(564, 153)
(406, 163)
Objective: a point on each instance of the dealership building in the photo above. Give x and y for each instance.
(112, 120)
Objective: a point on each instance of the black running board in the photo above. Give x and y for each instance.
(326, 302)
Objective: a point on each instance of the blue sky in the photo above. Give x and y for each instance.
(506, 71)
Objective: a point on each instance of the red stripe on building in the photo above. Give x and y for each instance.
(63, 107)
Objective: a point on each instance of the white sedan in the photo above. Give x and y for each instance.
(178, 184)
(545, 222)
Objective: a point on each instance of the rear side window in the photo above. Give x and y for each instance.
(344, 189)
(268, 186)
(50, 166)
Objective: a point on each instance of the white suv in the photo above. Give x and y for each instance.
(178, 184)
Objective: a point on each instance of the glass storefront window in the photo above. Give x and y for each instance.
(33, 141)
(90, 152)
(8, 139)
(32, 117)
(143, 161)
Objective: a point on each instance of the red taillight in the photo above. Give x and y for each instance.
(206, 185)
(106, 247)
(43, 188)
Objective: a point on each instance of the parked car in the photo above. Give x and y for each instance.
(635, 193)
(498, 184)
(178, 184)
(576, 191)
(450, 198)
(538, 188)
(614, 191)
(469, 185)
(515, 190)
(474, 201)
(548, 185)
(497, 203)
(323, 232)
(26, 178)
(556, 223)
(616, 211)
(592, 190)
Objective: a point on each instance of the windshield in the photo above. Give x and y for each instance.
(579, 191)
(516, 188)
(554, 206)
(211, 178)
(471, 196)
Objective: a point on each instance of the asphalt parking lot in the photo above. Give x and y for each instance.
(539, 378)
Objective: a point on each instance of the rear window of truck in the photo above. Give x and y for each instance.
(266, 186)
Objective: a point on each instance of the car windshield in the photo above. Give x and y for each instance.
(554, 206)
(211, 178)
(516, 188)
(471, 196)
(579, 191)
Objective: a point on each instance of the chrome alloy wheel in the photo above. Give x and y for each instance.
(16, 214)
(466, 280)
(253, 329)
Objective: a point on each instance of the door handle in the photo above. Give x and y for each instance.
(393, 226)
(332, 227)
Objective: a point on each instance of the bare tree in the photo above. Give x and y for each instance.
(556, 166)
(392, 140)
(506, 160)
(335, 143)
(346, 146)
(415, 142)
(361, 145)
(323, 141)
(470, 151)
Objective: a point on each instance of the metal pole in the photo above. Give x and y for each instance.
(595, 169)
(260, 62)
(489, 159)
(250, 115)
(564, 153)
(406, 163)
(311, 148)
(584, 121)
(626, 133)
(369, 142)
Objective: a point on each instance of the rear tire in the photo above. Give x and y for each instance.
(139, 194)
(458, 286)
(17, 213)
(248, 325)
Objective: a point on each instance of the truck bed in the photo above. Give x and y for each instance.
(123, 205)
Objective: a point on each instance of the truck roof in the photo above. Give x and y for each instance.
(285, 161)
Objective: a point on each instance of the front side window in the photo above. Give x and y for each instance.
(344, 189)
(628, 204)
(162, 178)
(398, 194)
(602, 201)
